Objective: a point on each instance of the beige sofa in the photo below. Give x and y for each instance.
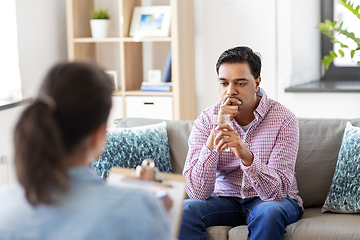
(320, 141)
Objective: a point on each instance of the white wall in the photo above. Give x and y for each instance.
(222, 24)
(41, 39)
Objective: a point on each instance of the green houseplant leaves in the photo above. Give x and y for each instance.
(329, 28)
(100, 14)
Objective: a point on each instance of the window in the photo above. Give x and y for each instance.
(341, 76)
(10, 82)
(340, 69)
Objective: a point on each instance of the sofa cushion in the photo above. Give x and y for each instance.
(178, 134)
(128, 147)
(314, 225)
(319, 145)
(343, 196)
(217, 232)
(324, 226)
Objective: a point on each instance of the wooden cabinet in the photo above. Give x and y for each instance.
(131, 58)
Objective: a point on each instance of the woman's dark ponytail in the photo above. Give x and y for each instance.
(74, 100)
(39, 154)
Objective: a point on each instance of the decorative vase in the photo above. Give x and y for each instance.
(99, 28)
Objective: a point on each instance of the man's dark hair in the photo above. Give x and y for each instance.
(240, 55)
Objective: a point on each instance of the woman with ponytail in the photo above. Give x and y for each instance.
(58, 195)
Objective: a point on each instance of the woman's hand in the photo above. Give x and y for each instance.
(148, 174)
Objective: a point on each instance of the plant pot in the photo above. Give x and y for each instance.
(99, 28)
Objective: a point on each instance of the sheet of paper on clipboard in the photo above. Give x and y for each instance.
(117, 176)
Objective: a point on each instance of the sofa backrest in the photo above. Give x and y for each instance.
(319, 145)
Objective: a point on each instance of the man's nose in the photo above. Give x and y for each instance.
(231, 90)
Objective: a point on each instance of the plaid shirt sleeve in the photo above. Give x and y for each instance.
(273, 178)
(201, 163)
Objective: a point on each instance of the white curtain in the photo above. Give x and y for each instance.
(10, 81)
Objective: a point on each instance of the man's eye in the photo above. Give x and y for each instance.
(223, 83)
(242, 84)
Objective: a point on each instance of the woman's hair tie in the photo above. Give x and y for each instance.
(49, 101)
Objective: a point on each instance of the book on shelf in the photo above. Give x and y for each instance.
(156, 88)
(156, 83)
(166, 77)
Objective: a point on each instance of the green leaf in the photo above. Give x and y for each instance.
(326, 30)
(332, 53)
(343, 45)
(358, 63)
(327, 60)
(352, 53)
(349, 35)
(328, 23)
(350, 7)
(100, 14)
(341, 53)
(341, 25)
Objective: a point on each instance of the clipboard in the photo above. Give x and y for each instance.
(177, 192)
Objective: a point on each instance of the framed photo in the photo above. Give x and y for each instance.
(151, 21)
(113, 76)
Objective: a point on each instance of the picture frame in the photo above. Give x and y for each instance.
(113, 76)
(150, 21)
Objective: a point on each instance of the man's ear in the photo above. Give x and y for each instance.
(257, 84)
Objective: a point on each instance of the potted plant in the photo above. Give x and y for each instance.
(99, 23)
(333, 30)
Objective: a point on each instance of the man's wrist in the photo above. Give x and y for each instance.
(249, 159)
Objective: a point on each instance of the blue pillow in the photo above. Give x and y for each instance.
(343, 196)
(128, 147)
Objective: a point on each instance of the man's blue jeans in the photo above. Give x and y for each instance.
(265, 220)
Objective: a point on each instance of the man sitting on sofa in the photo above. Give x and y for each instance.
(254, 183)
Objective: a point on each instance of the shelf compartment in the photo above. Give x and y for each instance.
(145, 56)
(99, 52)
(85, 52)
(80, 11)
(80, 15)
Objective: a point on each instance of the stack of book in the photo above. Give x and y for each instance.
(156, 87)
(165, 85)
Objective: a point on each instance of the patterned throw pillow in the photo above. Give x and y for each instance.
(128, 147)
(343, 196)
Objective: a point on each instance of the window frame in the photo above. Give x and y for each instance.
(334, 72)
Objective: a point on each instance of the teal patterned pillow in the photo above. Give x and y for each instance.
(128, 147)
(343, 196)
